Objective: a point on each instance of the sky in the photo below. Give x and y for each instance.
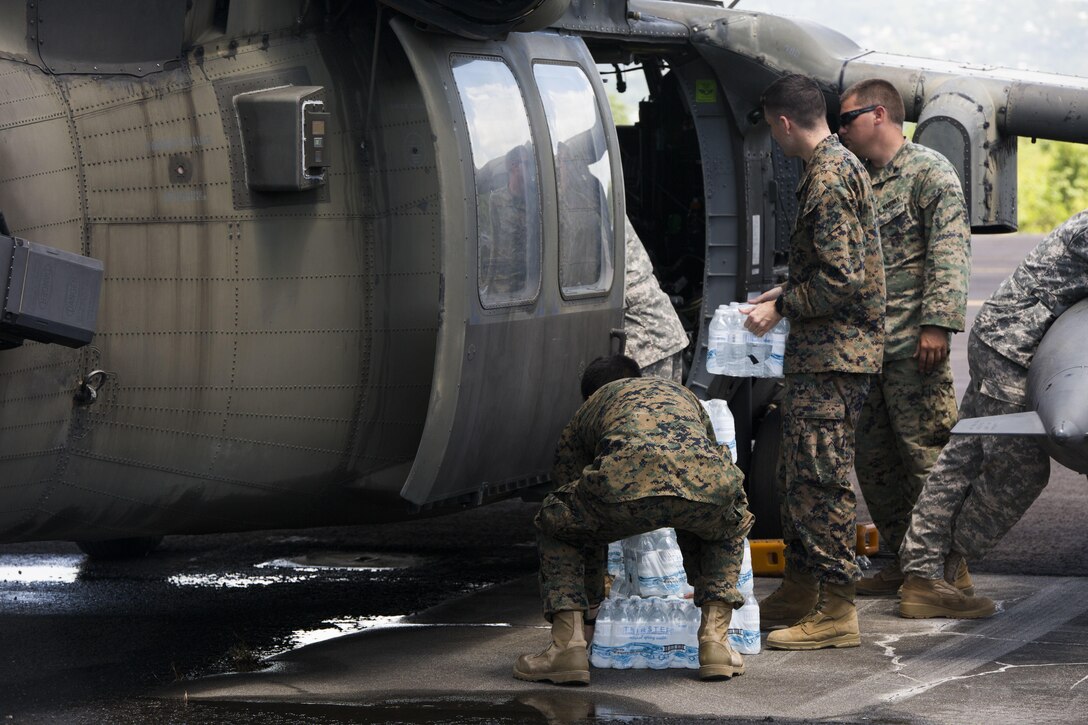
(1041, 35)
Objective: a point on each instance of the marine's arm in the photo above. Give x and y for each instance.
(947, 266)
(840, 251)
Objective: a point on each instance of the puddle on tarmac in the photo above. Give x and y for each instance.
(302, 568)
(40, 568)
(557, 705)
(346, 560)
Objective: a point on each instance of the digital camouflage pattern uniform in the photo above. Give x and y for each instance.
(504, 265)
(982, 485)
(640, 455)
(834, 300)
(908, 416)
(655, 337)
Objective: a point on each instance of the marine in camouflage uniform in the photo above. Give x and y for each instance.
(908, 415)
(982, 485)
(655, 337)
(834, 301)
(639, 455)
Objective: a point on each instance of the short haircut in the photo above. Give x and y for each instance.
(878, 92)
(605, 370)
(796, 97)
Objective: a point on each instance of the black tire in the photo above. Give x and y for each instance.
(119, 549)
(762, 481)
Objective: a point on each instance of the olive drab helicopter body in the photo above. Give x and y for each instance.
(281, 264)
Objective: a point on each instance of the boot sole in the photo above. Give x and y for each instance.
(930, 611)
(719, 672)
(570, 677)
(840, 642)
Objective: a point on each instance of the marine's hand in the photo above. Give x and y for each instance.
(761, 317)
(769, 296)
(932, 348)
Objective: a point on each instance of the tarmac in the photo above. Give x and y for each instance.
(452, 663)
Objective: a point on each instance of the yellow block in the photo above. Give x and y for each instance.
(769, 555)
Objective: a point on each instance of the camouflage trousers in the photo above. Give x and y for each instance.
(980, 485)
(904, 424)
(670, 368)
(820, 412)
(574, 530)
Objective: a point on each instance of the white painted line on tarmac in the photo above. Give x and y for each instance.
(949, 660)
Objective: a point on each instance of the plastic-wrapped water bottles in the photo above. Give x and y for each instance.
(778, 335)
(654, 565)
(724, 427)
(744, 624)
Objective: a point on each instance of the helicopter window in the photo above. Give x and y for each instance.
(507, 181)
(583, 177)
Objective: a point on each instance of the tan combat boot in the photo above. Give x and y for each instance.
(924, 598)
(833, 623)
(794, 598)
(956, 574)
(565, 660)
(717, 660)
(890, 578)
(886, 581)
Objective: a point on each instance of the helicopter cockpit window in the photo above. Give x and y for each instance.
(583, 177)
(507, 181)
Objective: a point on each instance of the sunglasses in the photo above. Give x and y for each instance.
(847, 118)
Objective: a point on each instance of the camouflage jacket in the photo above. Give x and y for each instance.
(926, 241)
(641, 437)
(834, 298)
(653, 330)
(1052, 278)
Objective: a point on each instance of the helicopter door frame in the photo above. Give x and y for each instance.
(506, 374)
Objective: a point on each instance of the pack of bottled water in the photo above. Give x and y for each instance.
(734, 351)
(653, 631)
(724, 429)
(652, 566)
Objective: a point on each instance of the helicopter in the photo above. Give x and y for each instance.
(281, 264)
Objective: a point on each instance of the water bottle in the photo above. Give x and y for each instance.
(622, 629)
(658, 634)
(744, 624)
(673, 576)
(691, 642)
(650, 580)
(778, 335)
(615, 560)
(678, 624)
(735, 360)
(716, 341)
(640, 640)
(722, 421)
(600, 651)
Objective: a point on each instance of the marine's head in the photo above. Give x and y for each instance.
(605, 370)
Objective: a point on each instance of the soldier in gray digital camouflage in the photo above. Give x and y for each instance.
(503, 261)
(639, 455)
(982, 485)
(834, 300)
(926, 241)
(656, 338)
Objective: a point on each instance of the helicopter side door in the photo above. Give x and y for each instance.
(532, 252)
